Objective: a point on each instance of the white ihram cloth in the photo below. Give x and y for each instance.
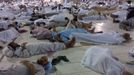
(19, 69)
(33, 49)
(61, 17)
(8, 35)
(101, 61)
(99, 38)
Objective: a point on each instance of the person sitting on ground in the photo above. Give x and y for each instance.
(102, 61)
(30, 49)
(25, 67)
(102, 38)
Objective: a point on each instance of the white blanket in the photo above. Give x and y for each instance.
(33, 49)
(19, 69)
(42, 48)
(61, 17)
(99, 38)
(100, 60)
(8, 35)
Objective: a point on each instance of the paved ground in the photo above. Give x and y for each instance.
(75, 54)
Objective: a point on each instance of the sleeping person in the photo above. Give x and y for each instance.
(25, 67)
(62, 36)
(30, 49)
(102, 61)
(102, 38)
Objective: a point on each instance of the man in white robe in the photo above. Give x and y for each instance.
(102, 61)
(19, 68)
(102, 38)
(30, 49)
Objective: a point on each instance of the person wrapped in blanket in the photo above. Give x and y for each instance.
(24, 67)
(102, 61)
(30, 49)
(102, 38)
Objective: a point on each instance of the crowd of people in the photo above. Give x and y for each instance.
(64, 25)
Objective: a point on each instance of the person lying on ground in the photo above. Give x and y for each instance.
(102, 38)
(30, 49)
(25, 67)
(62, 36)
(102, 61)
